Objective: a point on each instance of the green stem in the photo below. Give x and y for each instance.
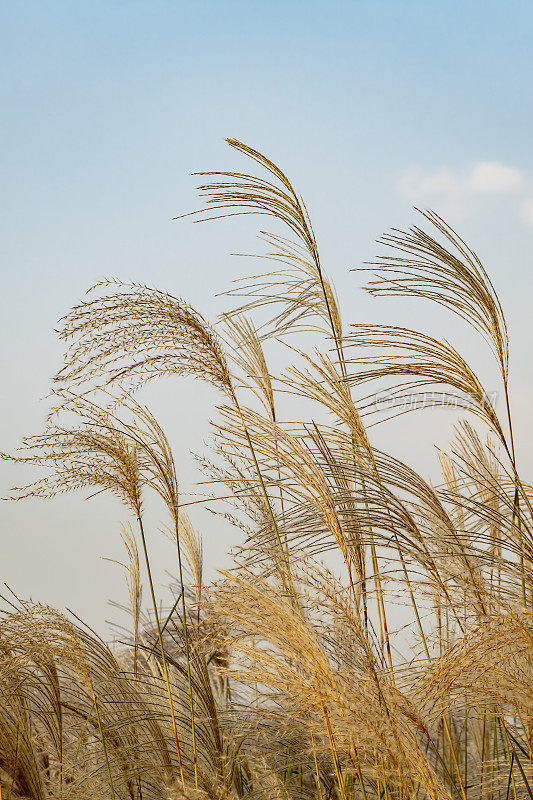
(160, 638)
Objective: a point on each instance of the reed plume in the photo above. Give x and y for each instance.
(372, 639)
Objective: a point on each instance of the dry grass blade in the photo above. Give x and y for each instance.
(302, 289)
(133, 579)
(454, 278)
(247, 354)
(135, 335)
(427, 363)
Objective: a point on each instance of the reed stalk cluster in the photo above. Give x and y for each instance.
(373, 638)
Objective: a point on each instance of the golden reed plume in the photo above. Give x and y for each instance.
(373, 638)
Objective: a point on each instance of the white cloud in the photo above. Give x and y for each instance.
(415, 184)
(455, 192)
(490, 177)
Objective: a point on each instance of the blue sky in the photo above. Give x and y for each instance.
(371, 107)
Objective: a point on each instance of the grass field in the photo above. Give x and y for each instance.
(289, 676)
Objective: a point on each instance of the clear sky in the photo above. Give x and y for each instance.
(371, 106)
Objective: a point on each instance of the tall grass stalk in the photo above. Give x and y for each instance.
(161, 646)
(304, 681)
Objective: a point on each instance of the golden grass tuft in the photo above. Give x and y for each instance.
(373, 639)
